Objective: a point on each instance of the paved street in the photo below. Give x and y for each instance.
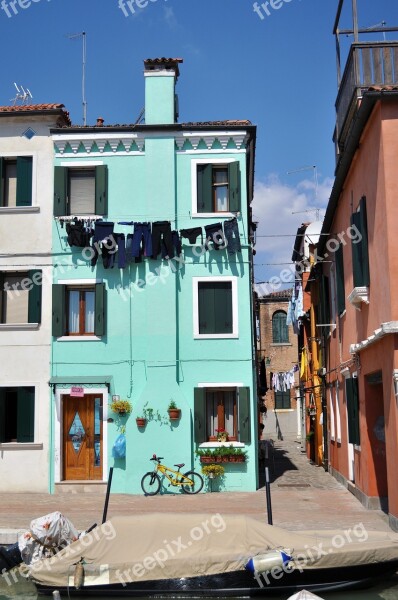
(303, 497)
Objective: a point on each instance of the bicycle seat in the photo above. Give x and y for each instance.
(180, 465)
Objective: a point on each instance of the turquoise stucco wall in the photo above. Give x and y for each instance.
(149, 348)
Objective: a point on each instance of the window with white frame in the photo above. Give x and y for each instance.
(17, 412)
(332, 418)
(16, 181)
(216, 187)
(80, 190)
(215, 307)
(20, 297)
(79, 309)
(338, 417)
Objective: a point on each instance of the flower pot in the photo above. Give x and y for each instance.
(174, 413)
(211, 475)
(240, 458)
(140, 422)
(206, 459)
(225, 459)
(218, 458)
(222, 437)
(233, 458)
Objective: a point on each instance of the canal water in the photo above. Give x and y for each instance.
(387, 591)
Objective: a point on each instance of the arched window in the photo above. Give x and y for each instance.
(280, 334)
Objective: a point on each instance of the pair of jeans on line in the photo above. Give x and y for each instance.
(176, 241)
(214, 233)
(103, 234)
(231, 233)
(161, 231)
(141, 244)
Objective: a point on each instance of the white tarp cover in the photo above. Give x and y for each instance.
(46, 535)
(165, 546)
(304, 595)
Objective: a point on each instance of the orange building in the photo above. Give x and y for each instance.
(356, 278)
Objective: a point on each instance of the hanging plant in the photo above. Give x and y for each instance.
(121, 407)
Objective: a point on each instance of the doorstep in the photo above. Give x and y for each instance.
(80, 487)
(9, 536)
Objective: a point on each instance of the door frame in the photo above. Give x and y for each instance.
(58, 430)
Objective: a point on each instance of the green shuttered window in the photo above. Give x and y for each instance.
(219, 188)
(353, 411)
(280, 332)
(80, 191)
(215, 307)
(360, 251)
(340, 280)
(78, 310)
(226, 408)
(20, 297)
(16, 181)
(282, 400)
(17, 414)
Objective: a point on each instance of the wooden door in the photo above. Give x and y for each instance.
(82, 438)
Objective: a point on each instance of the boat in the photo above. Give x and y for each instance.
(213, 555)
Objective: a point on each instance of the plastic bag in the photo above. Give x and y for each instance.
(119, 447)
(47, 535)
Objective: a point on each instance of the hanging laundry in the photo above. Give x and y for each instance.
(161, 230)
(120, 239)
(231, 232)
(141, 244)
(263, 378)
(192, 234)
(79, 234)
(103, 231)
(214, 233)
(176, 242)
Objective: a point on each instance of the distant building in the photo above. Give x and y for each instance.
(278, 354)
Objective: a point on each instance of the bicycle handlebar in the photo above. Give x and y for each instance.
(158, 458)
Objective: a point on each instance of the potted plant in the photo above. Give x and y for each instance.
(222, 435)
(205, 455)
(122, 407)
(310, 436)
(174, 412)
(213, 471)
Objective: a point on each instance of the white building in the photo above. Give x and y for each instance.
(26, 213)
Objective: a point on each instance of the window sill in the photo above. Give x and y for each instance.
(218, 215)
(216, 336)
(20, 446)
(19, 326)
(15, 210)
(221, 444)
(283, 410)
(359, 295)
(282, 344)
(79, 338)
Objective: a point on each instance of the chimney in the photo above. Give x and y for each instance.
(100, 122)
(161, 104)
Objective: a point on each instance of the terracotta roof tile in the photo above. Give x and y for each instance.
(22, 108)
(216, 123)
(168, 62)
(382, 88)
(279, 294)
(189, 125)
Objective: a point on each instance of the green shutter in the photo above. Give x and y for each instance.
(2, 415)
(280, 332)
(60, 191)
(99, 323)
(200, 435)
(26, 414)
(2, 176)
(244, 415)
(353, 410)
(357, 252)
(24, 180)
(340, 280)
(234, 187)
(206, 305)
(101, 190)
(222, 307)
(205, 188)
(59, 308)
(364, 242)
(325, 301)
(34, 308)
(282, 400)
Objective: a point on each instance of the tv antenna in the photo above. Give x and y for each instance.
(315, 209)
(22, 95)
(82, 36)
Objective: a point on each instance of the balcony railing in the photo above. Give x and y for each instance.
(368, 64)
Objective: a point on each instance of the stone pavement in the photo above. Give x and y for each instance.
(303, 497)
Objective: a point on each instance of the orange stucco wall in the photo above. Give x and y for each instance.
(374, 174)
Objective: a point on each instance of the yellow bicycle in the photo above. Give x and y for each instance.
(190, 482)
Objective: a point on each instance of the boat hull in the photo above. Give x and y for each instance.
(242, 583)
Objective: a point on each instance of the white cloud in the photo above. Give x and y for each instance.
(280, 209)
(170, 17)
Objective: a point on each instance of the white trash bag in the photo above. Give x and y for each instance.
(47, 536)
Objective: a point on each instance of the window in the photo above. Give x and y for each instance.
(78, 310)
(218, 188)
(340, 280)
(282, 400)
(20, 297)
(324, 308)
(353, 410)
(215, 307)
(222, 408)
(16, 181)
(17, 412)
(360, 254)
(280, 332)
(80, 190)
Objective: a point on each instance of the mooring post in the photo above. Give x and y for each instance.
(108, 491)
(268, 494)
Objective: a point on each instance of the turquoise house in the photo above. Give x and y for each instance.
(131, 325)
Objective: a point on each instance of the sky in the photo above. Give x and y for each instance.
(278, 70)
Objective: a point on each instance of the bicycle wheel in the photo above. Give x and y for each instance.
(197, 483)
(150, 484)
